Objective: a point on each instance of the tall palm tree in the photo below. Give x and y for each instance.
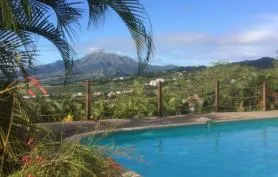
(24, 20)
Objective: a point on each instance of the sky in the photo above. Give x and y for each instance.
(187, 32)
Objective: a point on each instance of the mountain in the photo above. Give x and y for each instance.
(188, 68)
(102, 64)
(97, 64)
(261, 63)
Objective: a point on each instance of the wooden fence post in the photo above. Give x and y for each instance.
(265, 96)
(216, 106)
(88, 99)
(159, 100)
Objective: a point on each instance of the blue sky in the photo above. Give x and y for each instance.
(188, 32)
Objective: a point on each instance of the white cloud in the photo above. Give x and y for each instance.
(185, 38)
(255, 36)
(122, 46)
(254, 41)
(94, 49)
(249, 42)
(247, 37)
(264, 32)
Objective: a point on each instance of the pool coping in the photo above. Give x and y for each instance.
(76, 128)
(204, 121)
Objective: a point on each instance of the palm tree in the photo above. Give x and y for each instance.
(24, 20)
(21, 22)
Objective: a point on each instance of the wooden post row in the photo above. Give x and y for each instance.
(216, 104)
(88, 99)
(159, 100)
(265, 96)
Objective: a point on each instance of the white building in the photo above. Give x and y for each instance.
(155, 82)
(111, 94)
(98, 93)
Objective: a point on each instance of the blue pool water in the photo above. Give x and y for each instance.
(244, 148)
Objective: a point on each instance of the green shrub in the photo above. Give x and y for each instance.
(134, 105)
(44, 109)
(64, 160)
(101, 109)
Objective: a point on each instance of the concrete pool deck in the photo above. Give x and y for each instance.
(80, 129)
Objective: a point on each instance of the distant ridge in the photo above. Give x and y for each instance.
(95, 65)
(101, 64)
(261, 63)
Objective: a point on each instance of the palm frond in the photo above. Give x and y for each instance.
(7, 20)
(134, 16)
(67, 14)
(14, 53)
(14, 125)
(31, 22)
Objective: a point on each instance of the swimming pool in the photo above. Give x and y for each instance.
(243, 148)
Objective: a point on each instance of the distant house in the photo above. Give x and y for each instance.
(155, 82)
(111, 94)
(179, 74)
(98, 93)
(118, 78)
(77, 94)
(127, 91)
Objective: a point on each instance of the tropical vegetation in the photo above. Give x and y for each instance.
(22, 152)
(240, 89)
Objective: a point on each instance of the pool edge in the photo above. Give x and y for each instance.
(78, 137)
